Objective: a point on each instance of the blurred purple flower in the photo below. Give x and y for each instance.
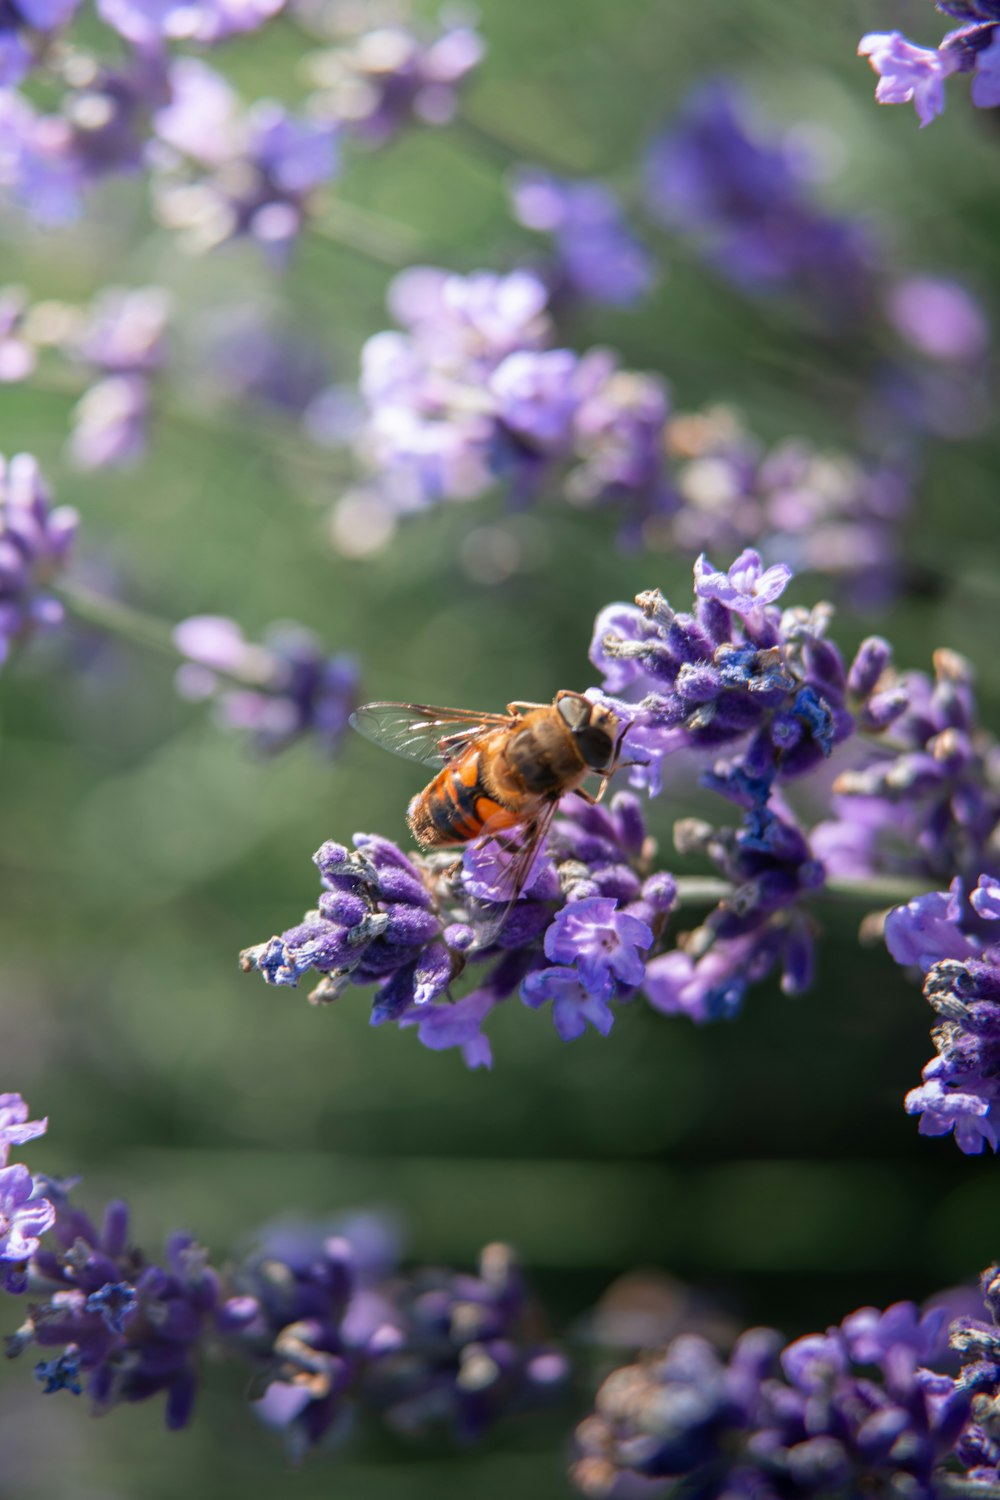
(597, 255)
(17, 354)
(22, 23)
(252, 172)
(391, 76)
(748, 201)
(148, 23)
(110, 423)
(852, 1411)
(278, 692)
(940, 318)
(35, 543)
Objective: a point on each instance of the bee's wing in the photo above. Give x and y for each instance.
(519, 865)
(432, 736)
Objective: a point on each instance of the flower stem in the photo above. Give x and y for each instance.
(368, 233)
(880, 890)
(116, 618)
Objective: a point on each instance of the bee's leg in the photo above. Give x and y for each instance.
(591, 798)
(512, 708)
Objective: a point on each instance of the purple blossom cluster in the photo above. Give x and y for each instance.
(35, 543)
(749, 203)
(738, 676)
(227, 172)
(595, 253)
(321, 1317)
(473, 394)
(391, 76)
(737, 673)
(926, 801)
(820, 511)
(276, 692)
(413, 926)
(937, 934)
(857, 1410)
(910, 74)
(218, 170)
(123, 341)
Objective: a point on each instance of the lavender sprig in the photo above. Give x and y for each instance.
(321, 1317)
(859, 1409)
(405, 924)
(589, 930)
(941, 934)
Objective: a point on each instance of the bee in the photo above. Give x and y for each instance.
(498, 773)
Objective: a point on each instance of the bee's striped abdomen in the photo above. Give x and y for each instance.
(456, 806)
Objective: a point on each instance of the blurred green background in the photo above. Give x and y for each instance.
(768, 1162)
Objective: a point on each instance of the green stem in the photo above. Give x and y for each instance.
(142, 629)
(880, 891)
(369, 234)
(507, 150)
(116, 618)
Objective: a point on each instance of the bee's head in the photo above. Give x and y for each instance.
(595, 729)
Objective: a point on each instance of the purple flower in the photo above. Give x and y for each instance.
(390, 76)
(939, 317)
(35, 543)
(17, 355)
(15, 1127)
(148, 23)
(573, 1004)
(907, 72)
(275, 692)
(471, 394)
(929, 806)
(986, 82)
(747, 198)
(601, 942)
(851, 1411)
(24, 1218)
(960, 1092)
(125, 331)
(597, 255)
(110, 423)
(17, 51)
(237, 173)
(820, 511)
(926, 930)
(738, 672)
(746, 586)
(440, 1027)
(414, 927)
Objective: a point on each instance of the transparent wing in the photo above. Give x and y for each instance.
(513, 855)
(421, 732)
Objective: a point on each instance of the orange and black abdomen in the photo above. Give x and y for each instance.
(456, 806)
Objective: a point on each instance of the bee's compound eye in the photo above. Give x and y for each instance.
(596, 746)
(575, 711)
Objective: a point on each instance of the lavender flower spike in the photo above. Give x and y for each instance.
(277, 692)
(35, 543)
(940, 933)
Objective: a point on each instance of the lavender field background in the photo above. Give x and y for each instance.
(765, 1162)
